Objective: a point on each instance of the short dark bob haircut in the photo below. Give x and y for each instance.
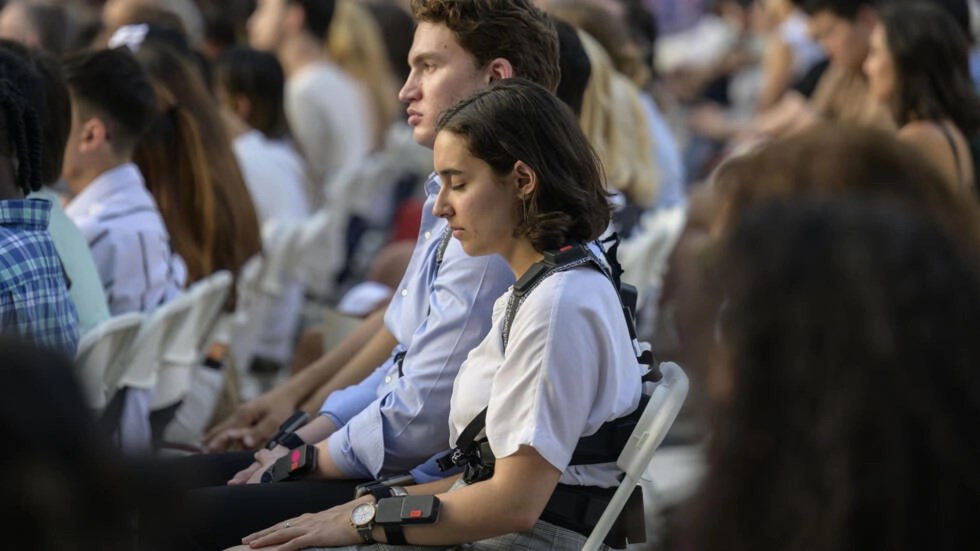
(518, 120)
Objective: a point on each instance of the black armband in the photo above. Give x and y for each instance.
(408, 510)
(292, 465)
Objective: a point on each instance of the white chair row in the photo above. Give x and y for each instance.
(153, 354)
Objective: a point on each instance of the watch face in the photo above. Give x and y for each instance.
(362, 514)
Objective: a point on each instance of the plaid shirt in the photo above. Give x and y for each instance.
(34, 301)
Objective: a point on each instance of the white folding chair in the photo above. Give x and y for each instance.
(100, 348)
(336, 327)
(663, 407)
(186, 393)
(644, 255)
(183, 352)
(138, 370)
(214, 292)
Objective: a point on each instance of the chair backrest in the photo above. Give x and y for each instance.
(141, 363)
(644, 254)
(213, 292)
(664, 405)
(101, 348)
(183, 350)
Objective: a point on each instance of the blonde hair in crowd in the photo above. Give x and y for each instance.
(356, 44)
(615, 121)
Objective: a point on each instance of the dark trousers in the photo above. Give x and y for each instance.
(217, 516)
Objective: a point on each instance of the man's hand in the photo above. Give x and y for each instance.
(252, 424)
(263, 460)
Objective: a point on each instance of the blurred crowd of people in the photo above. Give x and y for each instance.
(790, 185)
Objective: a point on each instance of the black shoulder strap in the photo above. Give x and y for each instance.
(952, 146)
(443, 245)
(564, 259)
(553, 262)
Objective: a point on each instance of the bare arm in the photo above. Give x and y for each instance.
(777, 64)
(511, 501)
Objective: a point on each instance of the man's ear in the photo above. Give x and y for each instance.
(525, 180)
(95, 134)
(242, 106)
(499, 69)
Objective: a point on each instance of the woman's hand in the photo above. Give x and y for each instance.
(330, 528)
(263, 460)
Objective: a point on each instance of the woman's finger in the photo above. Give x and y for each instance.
(274, 528)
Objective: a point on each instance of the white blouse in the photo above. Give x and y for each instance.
(569, 367)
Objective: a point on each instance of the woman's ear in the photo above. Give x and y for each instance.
(525, 180)
(499, 69)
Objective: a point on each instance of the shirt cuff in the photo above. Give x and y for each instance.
(338, 445)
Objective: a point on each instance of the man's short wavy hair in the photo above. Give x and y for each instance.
(515, 30)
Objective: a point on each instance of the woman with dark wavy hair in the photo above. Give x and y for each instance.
(919, 67)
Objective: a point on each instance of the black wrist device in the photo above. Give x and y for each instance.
(291, 425)
(407, 510)
(291, 441)
(292, 465)
(369, 487)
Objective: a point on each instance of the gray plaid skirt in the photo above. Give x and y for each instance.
(543, 537)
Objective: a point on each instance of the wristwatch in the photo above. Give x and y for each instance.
(362, 519)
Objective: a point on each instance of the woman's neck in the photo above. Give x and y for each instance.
(521, 257)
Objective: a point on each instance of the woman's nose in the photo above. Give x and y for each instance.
(441, 208)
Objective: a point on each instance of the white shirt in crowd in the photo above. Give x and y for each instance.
(569, 367)
(275, 176)
(129, 242)
(330, 120)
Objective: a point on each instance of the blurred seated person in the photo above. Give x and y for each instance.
(34, 300)
(86, 287)
(918, 68)
(845, 382)
(112, 105)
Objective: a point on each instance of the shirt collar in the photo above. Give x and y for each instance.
(432, 185)
(109, 183)
(27, 214)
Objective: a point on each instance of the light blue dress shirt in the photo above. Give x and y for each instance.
(391, 423)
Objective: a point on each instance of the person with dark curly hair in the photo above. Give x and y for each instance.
(849, 338)
(34, 300)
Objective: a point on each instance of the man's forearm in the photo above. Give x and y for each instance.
(303, 385)
(367, 358)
